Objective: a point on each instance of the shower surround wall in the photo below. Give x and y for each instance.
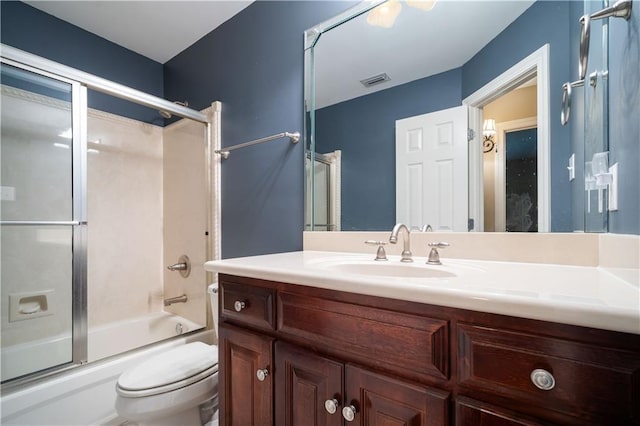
(185, 216)
(146, 206)
(124, 210)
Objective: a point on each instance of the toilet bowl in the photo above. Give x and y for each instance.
(170, 388)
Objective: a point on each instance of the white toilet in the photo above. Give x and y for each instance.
(173, 387)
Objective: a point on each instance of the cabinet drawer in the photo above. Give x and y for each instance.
(591, 382)
(409, 344)
(247, 304)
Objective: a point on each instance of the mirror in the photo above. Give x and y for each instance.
(374, 88)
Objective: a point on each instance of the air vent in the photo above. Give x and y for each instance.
(376, 79)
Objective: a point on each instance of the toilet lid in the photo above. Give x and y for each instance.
(175, 366)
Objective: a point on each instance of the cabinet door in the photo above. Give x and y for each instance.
(305, 382)
(381, 400)
(245, 396)
(475, 413)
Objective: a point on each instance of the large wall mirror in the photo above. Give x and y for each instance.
(392, 89)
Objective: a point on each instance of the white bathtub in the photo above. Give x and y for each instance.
(18, 360)
(122, 336)
(86, 395)
(104, 341)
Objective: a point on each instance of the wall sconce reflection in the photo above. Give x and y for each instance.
(489, 132)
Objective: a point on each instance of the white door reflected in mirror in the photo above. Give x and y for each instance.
(431, 170)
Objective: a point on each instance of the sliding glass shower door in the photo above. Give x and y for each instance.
(42, 222)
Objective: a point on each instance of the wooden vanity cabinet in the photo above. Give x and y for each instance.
(399, 362)
(312, 389)
(244, 399)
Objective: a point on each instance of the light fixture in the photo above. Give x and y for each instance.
(489, 132)
(385, 14)
(425, 5)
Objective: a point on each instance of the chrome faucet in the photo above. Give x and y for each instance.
(393, 239)
(178, 299)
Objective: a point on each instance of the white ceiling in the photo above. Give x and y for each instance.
(156, 29)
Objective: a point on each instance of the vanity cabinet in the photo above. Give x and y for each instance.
(245, 383)
(397, 362)
(313, 389)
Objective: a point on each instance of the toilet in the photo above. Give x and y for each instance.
(176, 387)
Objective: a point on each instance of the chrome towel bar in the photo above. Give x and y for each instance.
(293, 137)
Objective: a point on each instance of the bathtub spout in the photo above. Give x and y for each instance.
(178, 299)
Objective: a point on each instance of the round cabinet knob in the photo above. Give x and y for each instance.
(349, 413)
(331, 405)
(239, 305)
(262, 374)
(542, 379)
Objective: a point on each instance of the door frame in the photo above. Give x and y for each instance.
(534, 65)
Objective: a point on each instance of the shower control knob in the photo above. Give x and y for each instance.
(331, 405)
(349, 413)
(262, 374)
(239, 305)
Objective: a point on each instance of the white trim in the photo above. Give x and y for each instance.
(476, 171)
(536, 64)
(335, 182)
(499, 170)
(214, 210)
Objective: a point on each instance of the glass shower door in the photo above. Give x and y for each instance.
(41, 224)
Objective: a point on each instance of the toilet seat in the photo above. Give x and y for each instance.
(168, 371)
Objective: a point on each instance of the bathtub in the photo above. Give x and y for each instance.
(122, 336)
(86, 395)
(104, 341)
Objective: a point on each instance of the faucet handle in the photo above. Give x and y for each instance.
(439, 245)
(381, 254)
(434, 256)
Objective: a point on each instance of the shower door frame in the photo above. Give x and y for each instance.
(78, 221)
(81, 82)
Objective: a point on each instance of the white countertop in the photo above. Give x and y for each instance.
(584, 296)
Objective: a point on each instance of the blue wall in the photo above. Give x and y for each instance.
(31, 30)
(624, 119)
(544, 22)
(368, 159)
(253, 64)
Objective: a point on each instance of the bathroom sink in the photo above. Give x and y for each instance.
(388, 270)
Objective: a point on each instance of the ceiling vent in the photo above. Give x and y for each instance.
(376, 79)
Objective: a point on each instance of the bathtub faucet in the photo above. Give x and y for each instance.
(178, 299)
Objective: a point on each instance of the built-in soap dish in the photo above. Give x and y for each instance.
(24, 306)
